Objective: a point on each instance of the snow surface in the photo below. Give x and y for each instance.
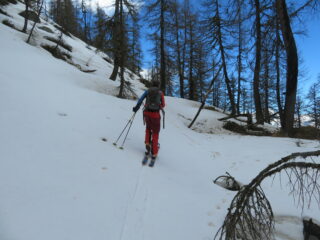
(59, 180)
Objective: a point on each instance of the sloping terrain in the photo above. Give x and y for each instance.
(59, 180)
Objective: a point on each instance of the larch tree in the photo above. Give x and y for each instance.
(116, 49)
(157, 18)
(292, 65)
(177, 32)
(257, 68)
(314, 103)
(102, 31)
(215, 25)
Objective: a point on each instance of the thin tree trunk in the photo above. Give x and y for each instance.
(121, 51)
(205, 98)
(224, 64)
(25, 26)
(266, 89)
(115, 68)
(191, 80)
(277, 58)
(184, 49)
(256, 78)
(35, 22)
(181, 77)
(239, 60)
(299, 102)
(84, 16)
(292, 66)
(162, 51)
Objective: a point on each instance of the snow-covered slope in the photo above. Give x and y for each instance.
(58, 180)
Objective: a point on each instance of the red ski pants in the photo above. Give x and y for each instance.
(152, 132)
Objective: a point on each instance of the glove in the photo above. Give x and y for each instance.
(135, 109)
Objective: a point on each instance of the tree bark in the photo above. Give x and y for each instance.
(121, 51)
(84, 16)
(277, 58)
(292, 66)
(26, 18)
(115, 40)
(239, 58)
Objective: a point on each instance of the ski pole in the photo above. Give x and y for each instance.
(164, 116)
(125, 138)
(130, 120)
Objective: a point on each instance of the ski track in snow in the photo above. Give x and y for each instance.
(133, 221)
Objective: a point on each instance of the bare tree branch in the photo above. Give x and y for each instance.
(296, 12)
(250, 214)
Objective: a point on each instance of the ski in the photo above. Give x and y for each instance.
(151, 164)
(145, 159)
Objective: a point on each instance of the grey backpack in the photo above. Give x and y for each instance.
(153, 99)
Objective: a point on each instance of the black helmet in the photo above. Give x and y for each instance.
(155, 83)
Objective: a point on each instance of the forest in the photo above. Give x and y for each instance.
(240, 56)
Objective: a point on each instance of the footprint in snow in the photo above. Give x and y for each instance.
(211, 224)
(233, 165)
(61, 114)
(210, 214)
(215, 154)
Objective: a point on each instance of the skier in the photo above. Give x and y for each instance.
(151, 114)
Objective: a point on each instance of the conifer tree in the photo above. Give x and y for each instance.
(157, 17)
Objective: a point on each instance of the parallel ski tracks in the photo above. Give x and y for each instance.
(135, 211)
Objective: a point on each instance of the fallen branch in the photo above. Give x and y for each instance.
(250, 214)
(205, 98)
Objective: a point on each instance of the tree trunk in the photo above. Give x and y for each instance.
(26, 18)
(256, 78)
(292, 66)
(224, 64)
(84, 16)
(299, 105)
(115, 69)
(121, 51)
(181, 77)
(266, 88)
(191, 80)
(277, 58)
(184, 49)
(162, 51)
(35, 22)
(115, 41)
(239, 60)
(205, 98)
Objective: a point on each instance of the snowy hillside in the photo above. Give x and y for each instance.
(59, 180)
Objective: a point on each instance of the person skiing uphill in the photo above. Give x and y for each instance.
(151, 114)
